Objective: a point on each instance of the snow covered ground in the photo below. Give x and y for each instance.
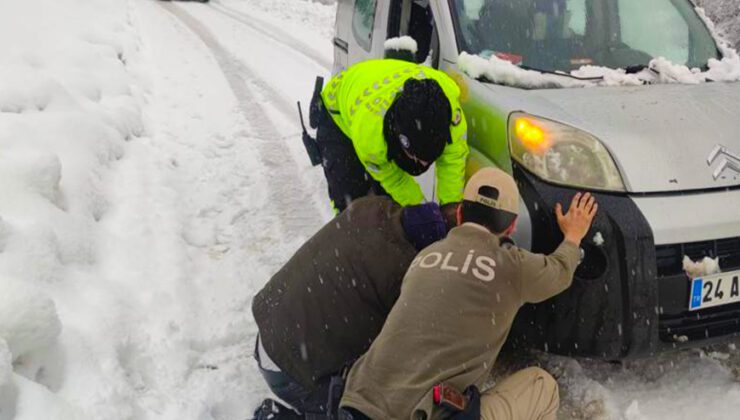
(152, 178)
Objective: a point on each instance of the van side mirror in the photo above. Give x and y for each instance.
(401, 48)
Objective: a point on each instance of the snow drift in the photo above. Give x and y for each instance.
(28, 318)
(69, 101)
(7, 386)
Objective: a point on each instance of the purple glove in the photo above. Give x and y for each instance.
(423, 224)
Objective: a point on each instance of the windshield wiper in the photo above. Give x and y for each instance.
(637, 68)
(557, 73)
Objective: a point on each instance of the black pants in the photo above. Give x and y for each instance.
(320, 404)
(289, 390)
(346, 177)
(351, 414)
(312, 405)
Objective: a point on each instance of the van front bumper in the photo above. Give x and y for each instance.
(629, 296)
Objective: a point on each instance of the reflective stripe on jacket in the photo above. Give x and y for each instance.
(358, 99)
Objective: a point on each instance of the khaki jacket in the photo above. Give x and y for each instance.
(457, 303)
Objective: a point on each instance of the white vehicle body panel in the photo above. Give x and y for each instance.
(692, 217)
(659, 135)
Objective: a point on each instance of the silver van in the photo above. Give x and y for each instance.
(662, 158)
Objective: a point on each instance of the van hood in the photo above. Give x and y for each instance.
(661, 136)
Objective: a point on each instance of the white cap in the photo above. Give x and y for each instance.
(494, 188)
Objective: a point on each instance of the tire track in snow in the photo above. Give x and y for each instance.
(291, 201)
(275, 33)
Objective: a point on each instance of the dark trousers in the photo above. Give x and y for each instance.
(345, 175)
(351, 414)
(312, 404)
(298, 397)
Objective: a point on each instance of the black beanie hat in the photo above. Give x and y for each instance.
(419, 120)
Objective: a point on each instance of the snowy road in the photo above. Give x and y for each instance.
(204, 193)
(226, 201)
(264, 107)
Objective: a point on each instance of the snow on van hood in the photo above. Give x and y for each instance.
(661, 136)
(660, 70)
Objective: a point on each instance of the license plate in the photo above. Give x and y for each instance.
(714, 290)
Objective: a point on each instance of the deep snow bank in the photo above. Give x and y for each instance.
(28, 318)
(7, 387)
(68, 104)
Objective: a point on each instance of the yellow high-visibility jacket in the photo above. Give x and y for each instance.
(358, 99)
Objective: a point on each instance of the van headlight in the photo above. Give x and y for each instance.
(562, 154)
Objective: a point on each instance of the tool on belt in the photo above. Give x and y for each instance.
(461, 406)
(449, 397)
(314, 115)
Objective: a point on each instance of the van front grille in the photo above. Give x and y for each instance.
(670, 257)
(676, 323)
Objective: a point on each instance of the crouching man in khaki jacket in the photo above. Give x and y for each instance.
(457, 303)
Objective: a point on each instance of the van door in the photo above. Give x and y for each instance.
(365, 24)
(342, 31)
(355, 31)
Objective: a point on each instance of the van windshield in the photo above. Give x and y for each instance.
(563, 35)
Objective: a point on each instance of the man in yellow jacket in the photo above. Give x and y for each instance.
(386, 121)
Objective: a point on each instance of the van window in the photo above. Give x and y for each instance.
(671, 42)
(362, 22)
(563, 35)
(576, 17)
